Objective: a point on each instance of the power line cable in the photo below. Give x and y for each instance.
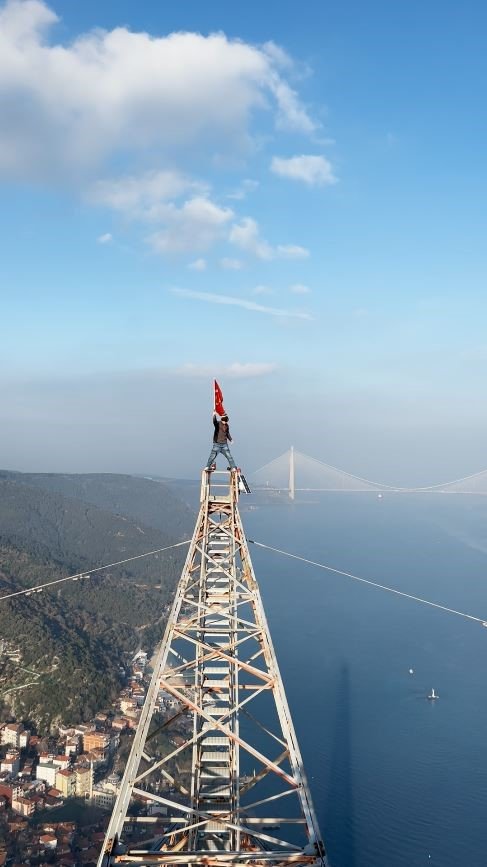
(86, 573)
(370, 583)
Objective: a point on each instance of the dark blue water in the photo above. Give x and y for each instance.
(396, 779)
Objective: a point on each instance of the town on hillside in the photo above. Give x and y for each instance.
(57, 791)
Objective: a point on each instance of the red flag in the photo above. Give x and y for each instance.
(218, 400)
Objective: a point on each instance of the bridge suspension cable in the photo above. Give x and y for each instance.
(375, 584)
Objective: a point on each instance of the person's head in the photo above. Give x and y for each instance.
(225, 418)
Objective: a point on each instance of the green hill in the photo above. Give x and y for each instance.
(74, 637)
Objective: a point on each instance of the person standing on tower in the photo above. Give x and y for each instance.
(221, 438)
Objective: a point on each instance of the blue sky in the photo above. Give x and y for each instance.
(289, 197)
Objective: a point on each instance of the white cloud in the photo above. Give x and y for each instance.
(299, 289)
(105, 239)
(212, 298)
(247, 186)
(291, 251)
(198, 265)
(231, 264)
(246, 236)
(291, 114)
(236, 370)
(312, 170)
(196, 225)
(143, 196)
(69, 107)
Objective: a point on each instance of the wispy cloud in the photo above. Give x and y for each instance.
(105, 239)
(299, 289)
(198, 265)
(236, 370)
(230, 300)
(291, 251)
(229, 264)
(312, 170)
(195, 226)
(247, 186)
(246, 235)
(143, 196)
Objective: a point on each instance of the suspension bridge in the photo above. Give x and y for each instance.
(294, 471)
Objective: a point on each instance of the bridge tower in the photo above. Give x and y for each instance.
(291, 474)
(215, 750)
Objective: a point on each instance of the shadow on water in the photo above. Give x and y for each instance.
(340, 817)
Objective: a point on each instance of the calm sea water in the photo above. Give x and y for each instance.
(396, 779)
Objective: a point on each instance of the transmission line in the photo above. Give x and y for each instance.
(86, 573)
(370, 583)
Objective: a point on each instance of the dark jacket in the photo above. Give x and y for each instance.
(217, 424)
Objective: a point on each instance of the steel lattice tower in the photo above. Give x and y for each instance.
(226, 764)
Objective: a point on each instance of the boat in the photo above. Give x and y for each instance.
(433, 695)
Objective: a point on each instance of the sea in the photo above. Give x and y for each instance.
(397, 780)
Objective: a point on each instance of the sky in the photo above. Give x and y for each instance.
(288, 197)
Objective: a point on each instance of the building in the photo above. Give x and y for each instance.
(15, 735)
(73, 743)
(24, 806)
(48, 841)
(10, 791)
(103, 798)
(66, 783)
(95, 741)
(60, 761)
(128, 705)
(84, 781)
(47, 771)
(11, 762)
(96, 758)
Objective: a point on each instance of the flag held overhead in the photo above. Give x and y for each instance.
(218, 404)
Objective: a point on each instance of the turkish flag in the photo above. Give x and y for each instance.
(218, 400)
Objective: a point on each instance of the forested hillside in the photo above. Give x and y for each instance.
(151, 502)
(75, 637)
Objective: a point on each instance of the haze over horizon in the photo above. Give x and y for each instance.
(288, 198)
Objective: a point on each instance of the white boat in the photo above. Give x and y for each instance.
(433, 695)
